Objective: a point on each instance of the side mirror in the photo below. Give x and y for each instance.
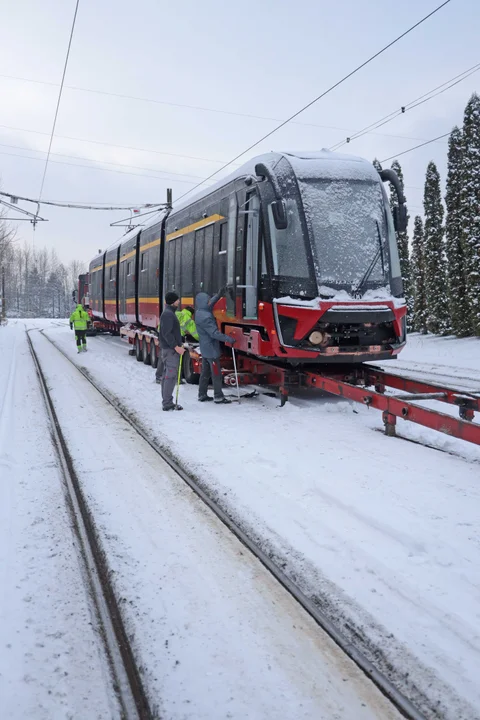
(400, 220)
(279, 213)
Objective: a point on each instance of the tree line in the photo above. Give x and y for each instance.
(441, 269)
(36, 283)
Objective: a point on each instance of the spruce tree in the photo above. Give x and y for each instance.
(457, 301)
(418, 277)
(377, 165)
(402, 242)
(470, 209)
(434, 257)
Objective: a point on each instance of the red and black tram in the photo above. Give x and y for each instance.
(305, 244)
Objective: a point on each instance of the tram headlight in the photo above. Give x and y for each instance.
(316, 337)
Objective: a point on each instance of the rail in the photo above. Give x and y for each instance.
(402, 703)
(126, 678)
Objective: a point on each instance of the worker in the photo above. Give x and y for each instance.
(187, 328)
(187, 323)
(79, 320)
(209, 337)
(171, 349)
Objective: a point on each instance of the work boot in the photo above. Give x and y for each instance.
(207, 398)
(222, 401)
(172, 407)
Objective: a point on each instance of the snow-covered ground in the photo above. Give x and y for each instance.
(382, 531)
(214, 634)
(52, 664)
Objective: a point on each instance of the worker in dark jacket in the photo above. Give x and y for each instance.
(171, 348)
(210, 338)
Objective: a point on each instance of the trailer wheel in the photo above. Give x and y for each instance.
(138, 349)
(145, 353)
(191, 377)
(153, 354)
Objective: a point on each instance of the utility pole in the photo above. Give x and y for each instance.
(4, 304)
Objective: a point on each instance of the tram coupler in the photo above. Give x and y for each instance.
(390, 422)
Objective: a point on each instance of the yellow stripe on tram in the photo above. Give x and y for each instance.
(194, 226)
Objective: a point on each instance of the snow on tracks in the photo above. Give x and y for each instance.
(215, 634)
(52, 663)
(365, 522)
(127, 682)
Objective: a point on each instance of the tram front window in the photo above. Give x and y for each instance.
(348, 223)
(288, 249)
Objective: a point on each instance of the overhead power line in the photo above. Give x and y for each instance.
(122, 147)
(93, 167)
(409, 106)
(322, 95)
(108, 162)
(404, 152)
(81, 206)
(186, 107)
(65, 65)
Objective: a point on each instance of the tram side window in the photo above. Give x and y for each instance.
(208, 257)
(111, 273)
(170, 279)
(199, 255)
(143, 261)
(264, 260)
(187, 265)
(178, 265)
(129, 268)
(288, 246)
(222, 247)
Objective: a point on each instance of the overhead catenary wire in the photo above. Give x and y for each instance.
(92, 167)
(404, 152)
(185, 106)
(319, 97)
(106, 162)
(81, 206)
(435, 92)
(65, 65)
(122, 147)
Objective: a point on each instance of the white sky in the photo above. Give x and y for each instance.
(265, 58)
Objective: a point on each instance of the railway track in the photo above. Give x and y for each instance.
(126, 678)
(398, 699)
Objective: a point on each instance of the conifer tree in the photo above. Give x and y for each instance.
(377, 164)
(470, 209)
(457, 301)
(434, 256)
(403, 251)
(418, 277)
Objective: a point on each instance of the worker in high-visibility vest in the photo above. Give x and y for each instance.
(187, 323)
(79, 320)
(187, 327)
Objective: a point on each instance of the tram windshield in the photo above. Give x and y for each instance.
(352, 243)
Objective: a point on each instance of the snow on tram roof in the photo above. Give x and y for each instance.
(321, 164)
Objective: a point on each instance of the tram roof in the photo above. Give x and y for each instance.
(322, 164)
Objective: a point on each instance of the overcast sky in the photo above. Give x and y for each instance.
(265, 58)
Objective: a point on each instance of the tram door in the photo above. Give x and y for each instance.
(252, 214)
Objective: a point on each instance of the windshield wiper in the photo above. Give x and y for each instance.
(378, 254)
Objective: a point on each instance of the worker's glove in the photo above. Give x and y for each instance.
(223, 291)
(231, 340)
(71, 326)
